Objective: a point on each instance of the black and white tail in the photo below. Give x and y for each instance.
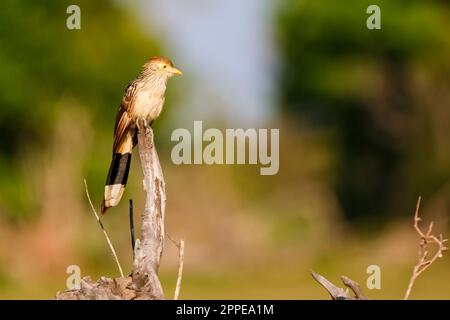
(118, 172)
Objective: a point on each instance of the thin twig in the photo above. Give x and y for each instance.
(424, 261)
(103, 229)
(133, 241)
(180, 269)
(180, 246)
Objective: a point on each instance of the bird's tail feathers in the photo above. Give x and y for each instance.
(118, 173)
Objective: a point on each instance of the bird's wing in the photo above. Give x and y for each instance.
(124, 120)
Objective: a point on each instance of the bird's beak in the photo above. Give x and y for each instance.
(176, 71)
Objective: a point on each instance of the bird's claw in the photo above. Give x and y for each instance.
(142, 124)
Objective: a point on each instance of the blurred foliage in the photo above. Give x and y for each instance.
(42, 62)
(365, 111)
(379, 94)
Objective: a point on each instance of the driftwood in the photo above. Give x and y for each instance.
(144, 282)
(338, 293)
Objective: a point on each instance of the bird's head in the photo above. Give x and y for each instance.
(161, 66)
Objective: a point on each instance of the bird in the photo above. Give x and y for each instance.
(141, 104)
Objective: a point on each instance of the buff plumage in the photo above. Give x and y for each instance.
(141, 105)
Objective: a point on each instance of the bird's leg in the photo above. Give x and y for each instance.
(141, 124)
(138, 126)
(145, 124)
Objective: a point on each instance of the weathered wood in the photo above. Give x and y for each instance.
(338, 293)
(144, 282)
(150, 246)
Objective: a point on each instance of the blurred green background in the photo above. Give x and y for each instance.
(364, 118)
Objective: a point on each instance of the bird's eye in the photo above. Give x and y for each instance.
(165, 66)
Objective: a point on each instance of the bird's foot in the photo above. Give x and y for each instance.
(142, 124)
(146, 126)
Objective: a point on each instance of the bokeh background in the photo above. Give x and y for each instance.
(364, 119)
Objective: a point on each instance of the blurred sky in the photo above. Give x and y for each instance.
(226, 46)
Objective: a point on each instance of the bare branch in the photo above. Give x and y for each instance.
(149, 247)
(335, 292)
(355, 287)
(131, 216)
(180, 269)
(103, 229)
(338, 293)
(180, 246)
(424, 260)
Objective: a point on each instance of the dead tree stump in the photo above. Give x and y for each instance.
(144, 282)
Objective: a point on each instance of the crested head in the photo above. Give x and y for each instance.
(161, 67)
(159, 60)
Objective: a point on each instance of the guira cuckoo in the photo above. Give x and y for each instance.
(141, 104)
